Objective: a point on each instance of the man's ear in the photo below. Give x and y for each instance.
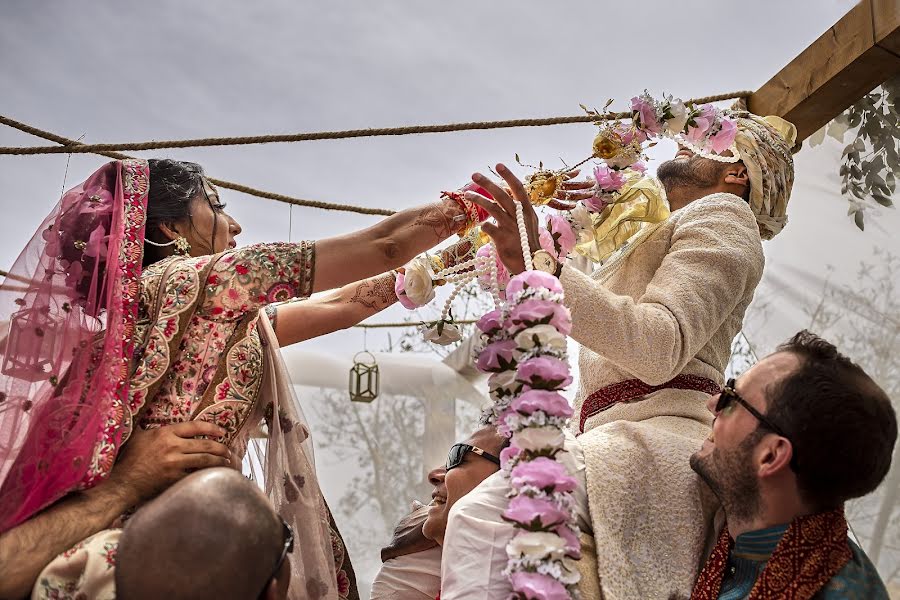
(774, 457)
(737, 174)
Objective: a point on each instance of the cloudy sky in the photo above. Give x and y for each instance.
(133, 71)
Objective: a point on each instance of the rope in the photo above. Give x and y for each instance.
(19, 278)
(406, 324)
(69, 144)
(334, 135)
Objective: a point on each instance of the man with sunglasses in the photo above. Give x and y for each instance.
(212, 535)
(800, 433)
(411, 568)
(468, 464)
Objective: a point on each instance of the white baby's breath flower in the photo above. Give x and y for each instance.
(675, 125)
(536, 544)
(539, 438)
(582, 224)
(544, 336)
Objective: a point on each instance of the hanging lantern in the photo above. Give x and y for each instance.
(364, 377)
(33, 331)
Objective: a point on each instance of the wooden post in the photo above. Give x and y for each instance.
(860, 52)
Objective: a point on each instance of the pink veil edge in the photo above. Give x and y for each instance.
(67, 315)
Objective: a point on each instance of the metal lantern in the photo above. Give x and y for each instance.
(364, 377)
(32, 329)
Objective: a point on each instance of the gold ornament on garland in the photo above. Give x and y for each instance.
(364, 377)
(542, 185)
(618, 145)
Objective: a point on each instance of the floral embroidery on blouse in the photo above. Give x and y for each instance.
(249, 278)
(222, 327)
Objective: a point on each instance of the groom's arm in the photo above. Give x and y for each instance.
(714, 261)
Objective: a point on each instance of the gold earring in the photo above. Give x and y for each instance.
(182, 246)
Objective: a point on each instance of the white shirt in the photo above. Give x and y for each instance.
(474, 554)
(415, 576)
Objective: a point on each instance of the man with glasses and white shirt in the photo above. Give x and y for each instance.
(412, 561)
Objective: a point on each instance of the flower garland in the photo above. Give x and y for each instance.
(523, 347)
(524, 351)
(706, 130)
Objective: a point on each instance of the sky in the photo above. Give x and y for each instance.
(135, 71)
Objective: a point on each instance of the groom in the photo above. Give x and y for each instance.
(655, 326)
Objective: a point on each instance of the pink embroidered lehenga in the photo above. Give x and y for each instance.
(96, 347)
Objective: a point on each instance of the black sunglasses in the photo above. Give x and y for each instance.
(288, 547)
(729, 395)
(458, 453)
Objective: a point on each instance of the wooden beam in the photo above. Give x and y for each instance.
(857, 54)
(886, 19)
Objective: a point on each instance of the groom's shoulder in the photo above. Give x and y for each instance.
(718, 210)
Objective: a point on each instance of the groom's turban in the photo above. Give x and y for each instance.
(764, 145)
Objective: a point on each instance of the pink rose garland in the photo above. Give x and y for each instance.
(525, 385)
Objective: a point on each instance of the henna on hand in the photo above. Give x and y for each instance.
(376, 293)
(443, 219)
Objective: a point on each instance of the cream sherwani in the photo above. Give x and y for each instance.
(668, 305)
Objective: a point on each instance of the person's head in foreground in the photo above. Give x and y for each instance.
(214, 534)
(763, 176)
(800, 433)
(468, 464)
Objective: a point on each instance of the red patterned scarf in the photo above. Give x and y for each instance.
(812, 551)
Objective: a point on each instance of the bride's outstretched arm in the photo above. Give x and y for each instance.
(386, 245)
(345, 307)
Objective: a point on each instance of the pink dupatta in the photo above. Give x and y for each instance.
(67, 315)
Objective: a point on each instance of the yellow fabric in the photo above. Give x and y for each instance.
(641, 201)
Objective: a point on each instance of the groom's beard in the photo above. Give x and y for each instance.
(695, 172)
(730, 476)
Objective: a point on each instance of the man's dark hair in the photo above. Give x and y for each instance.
(841, 424)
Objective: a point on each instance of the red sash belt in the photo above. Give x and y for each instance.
(630, 389)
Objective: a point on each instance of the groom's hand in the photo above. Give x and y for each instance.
(505, 232)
